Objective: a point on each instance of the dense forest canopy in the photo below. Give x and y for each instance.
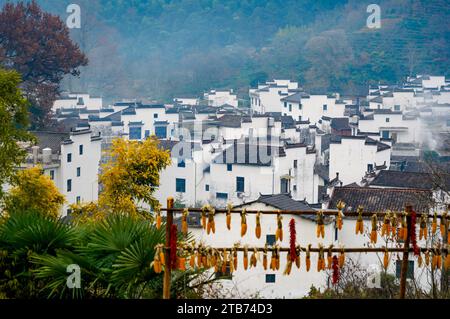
(164, 48)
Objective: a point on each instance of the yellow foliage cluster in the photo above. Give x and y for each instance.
(34, 191)
(131, 174)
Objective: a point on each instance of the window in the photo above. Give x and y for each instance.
(78, 171)
(155, 115)
(223, 196)
(398, 269)
(181, 163)
(80, 149)
(180, 185)
(52, 174)
(290, 107)
(69, 185)
(284, 186)
(295, 163)
(135, 133)
(385, 134)
(270, 240)
(369, 167)
(161, 131)
(325, 107)
(387, 119)
(207, 187)
(295, 188)
(69, 157)
(396, 107)
(240, 183)
(147, 133)
(285, 104)
(300, 106)
(78, 199)
(270, 278)
(229, 167)
(336, 232)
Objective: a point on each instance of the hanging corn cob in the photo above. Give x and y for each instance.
(320, 228)
(265, 257)
(245, 257)
(321, 259)
(394, 224)
(297, 257)
(385, 228)
(184, 224)
(342, 258)
(157, 263)
(308, 258)
(224, 261)
(420, 260)
(243, 223)
(279, 231)
(434, 224)
(181, 260)
(235, 257)
(374, 232)
(258, 225)
(403, 233)
(254, 258)
(386, 259)
(287, 270)
(205, 208)
(211, 225)
(423, 229)
(339, 219)
(273, 259)
(228, 216)
(199, 256)
(359, 221)
(443, 223)
(329, 257)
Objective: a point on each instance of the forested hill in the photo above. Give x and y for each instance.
(162, 48)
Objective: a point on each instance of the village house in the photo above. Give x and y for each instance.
(71, 160)
(221, 97)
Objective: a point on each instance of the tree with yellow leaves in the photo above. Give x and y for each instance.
(35, 191)
(131, 175)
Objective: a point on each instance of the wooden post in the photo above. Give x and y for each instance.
(167, 270)
(404, 269)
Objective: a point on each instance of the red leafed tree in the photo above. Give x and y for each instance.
(38, 46)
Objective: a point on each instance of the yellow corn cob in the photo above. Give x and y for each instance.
(228, 217)
(386, 260)
(373, 233)
(359, 221)
(279, 231)
(243, 223)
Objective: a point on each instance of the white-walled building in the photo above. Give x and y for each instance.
(267, 97)
(221, 97)
(78, 101)
(351, 157)
(72, 162)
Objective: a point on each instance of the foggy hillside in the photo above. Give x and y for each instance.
(159, 49)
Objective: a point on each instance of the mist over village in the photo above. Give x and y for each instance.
(253, 150)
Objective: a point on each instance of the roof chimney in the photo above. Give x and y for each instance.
(35, 150)
(47, 155)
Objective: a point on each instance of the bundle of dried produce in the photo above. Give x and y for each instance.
(320, 228)
(359, 222)
(279, 231)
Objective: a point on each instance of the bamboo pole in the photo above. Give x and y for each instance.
(404, 269)
(167, 270)
(326, 212)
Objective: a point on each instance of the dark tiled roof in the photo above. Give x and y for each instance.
(184, 149)
(340, 123)
(295, 98)
(415, 180)
(284, 202)
(229, 120)
(380, 199)
(249, 154)
(52, 140)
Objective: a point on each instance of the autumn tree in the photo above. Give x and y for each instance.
(34, 191)
(13, 127)
(38, 46)
(131, 175)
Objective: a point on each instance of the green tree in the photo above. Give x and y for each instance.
(13, 128)
(36, 191)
